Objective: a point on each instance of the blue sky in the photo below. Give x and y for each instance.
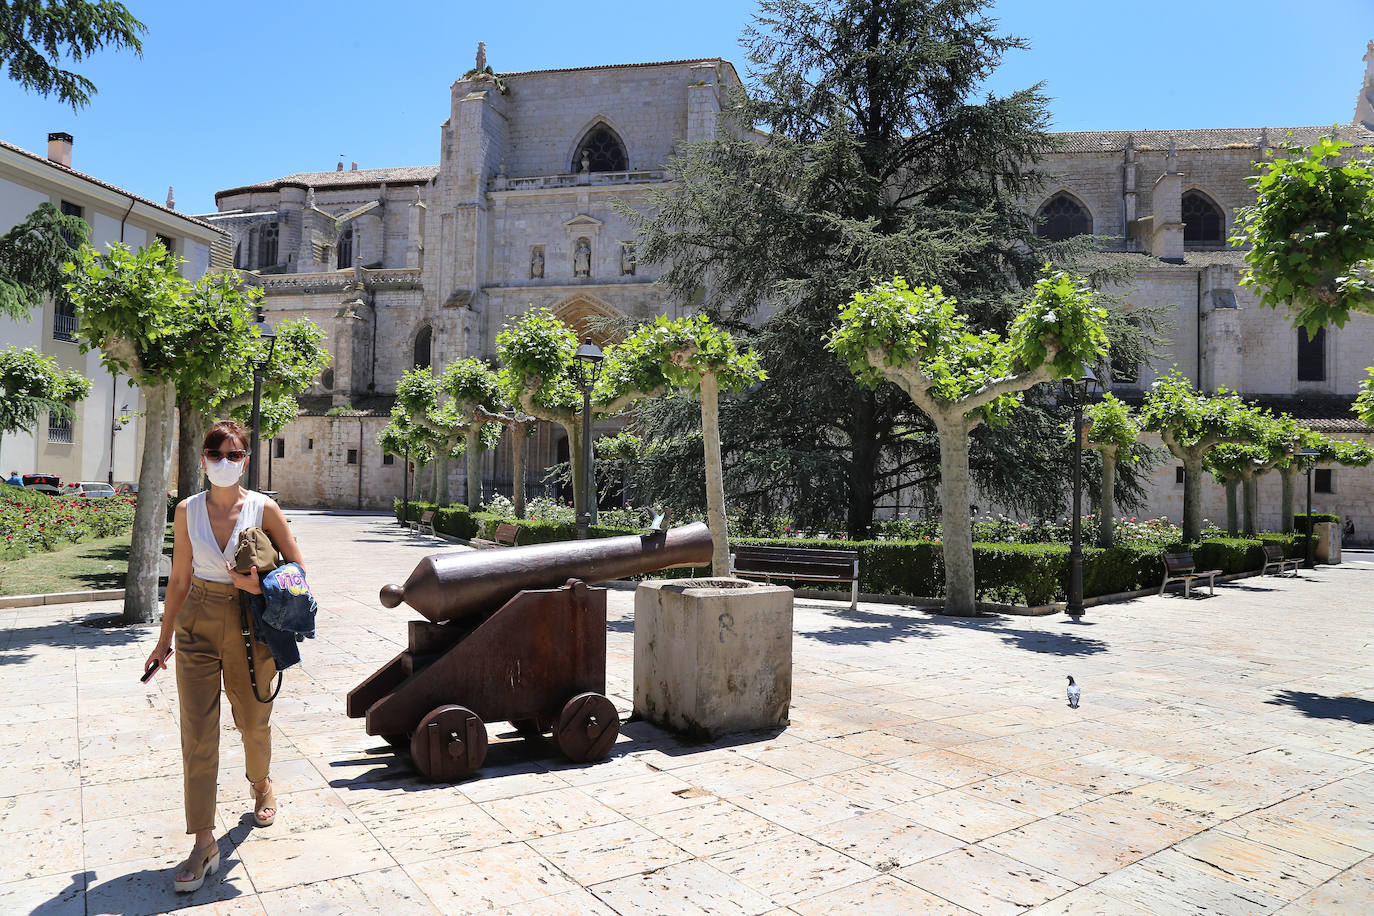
(230, 93)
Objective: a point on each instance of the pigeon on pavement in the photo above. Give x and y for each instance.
(1074, 692)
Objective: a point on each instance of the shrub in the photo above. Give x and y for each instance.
(1230, 555)
(456, 521)
(30, 521)
(1121, 568)
(1300, 520)
(1294, 545)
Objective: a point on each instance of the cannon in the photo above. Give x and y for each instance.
(513, 634)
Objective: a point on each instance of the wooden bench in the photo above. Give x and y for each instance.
(1179, 567)
(426, 518)
(1273, 556)
(505, 535)
(800, 564)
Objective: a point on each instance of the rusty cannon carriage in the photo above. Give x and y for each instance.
(510, 635)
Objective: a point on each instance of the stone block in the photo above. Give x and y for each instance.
(713, 655)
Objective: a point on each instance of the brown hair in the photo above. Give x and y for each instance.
(223, 430)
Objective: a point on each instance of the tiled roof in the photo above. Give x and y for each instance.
(1106, 141)
(352, 178)
(105, 184)
(1326, 413)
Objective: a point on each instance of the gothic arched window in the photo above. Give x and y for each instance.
(1203, 221)
(267, 246)
(602, 151)
(1062, 217)
(346, 248)
(424, 342)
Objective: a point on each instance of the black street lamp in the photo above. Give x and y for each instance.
(1082, 389)
(266, 332)
(586, 369)
(1311, 455)
(405, 489)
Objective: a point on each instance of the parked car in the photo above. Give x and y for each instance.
(50, 480)
(46, 489)
(88, 488)
(129, 488)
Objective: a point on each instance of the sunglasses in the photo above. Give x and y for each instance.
(235, 455)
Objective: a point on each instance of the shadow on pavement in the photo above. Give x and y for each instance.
(1319, 706)
(881, 628)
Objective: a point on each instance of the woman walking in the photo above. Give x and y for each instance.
(202, 611)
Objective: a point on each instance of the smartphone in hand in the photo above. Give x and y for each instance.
(148, 675)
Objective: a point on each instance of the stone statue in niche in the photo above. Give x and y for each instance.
(627, 259)
(582, 258)
(537, 262)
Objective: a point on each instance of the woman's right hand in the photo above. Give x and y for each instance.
(158, 657)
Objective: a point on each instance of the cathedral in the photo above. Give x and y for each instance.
(422, 265)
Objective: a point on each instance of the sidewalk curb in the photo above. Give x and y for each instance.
(104, 594)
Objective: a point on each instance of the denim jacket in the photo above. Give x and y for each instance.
(284, 614)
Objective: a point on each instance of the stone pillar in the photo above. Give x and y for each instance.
(713, 655)
(1166, 242)
(1128, 188)
(415, 235)
(352, 363)
(703, 103)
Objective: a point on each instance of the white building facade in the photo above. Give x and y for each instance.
(103, 442)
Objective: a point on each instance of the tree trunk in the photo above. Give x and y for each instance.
(863, 465)
(1232, 508)
(1106, 504)
(191, 427)
(956, 526)
(473, 453)
(574, 432)
(518, 440)
(715, 477)
(1192, 499)
(441, 474)
(1250, 493)
(150, 512)
(1289, 476)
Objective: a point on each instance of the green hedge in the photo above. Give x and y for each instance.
(1300, 520)
(1294, 545)
(1230, 555)
(1030, 574)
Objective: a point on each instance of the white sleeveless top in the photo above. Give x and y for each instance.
(207, 560)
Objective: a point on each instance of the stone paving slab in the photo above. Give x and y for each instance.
(1222, 762)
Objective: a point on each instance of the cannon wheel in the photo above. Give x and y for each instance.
(587, 727)
(449, 743)
(537, 727)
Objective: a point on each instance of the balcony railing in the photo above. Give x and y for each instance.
(64, 327)
(578, 179)
(60, 431)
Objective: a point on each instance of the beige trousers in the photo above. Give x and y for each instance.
(209, 649)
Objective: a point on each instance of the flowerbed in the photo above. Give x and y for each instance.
(32, 523)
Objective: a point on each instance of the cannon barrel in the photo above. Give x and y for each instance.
(449, 586)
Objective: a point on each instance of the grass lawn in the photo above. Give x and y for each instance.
(93, 564)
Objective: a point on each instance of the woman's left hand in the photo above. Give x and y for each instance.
(245, 582)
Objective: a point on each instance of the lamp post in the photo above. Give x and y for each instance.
(1311, 455)
(115, 426)
(405, 489)
(1082, 388)
(265, 332)
(586, 370)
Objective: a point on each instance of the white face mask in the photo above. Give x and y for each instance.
(224, 473)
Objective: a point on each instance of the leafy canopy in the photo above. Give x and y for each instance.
(1311, 232)
(31, 258)
(35, 35)
(1192, 419)
(668, 354)
(537, 350)
(918, 327)
(1108, 423)
(32, 384)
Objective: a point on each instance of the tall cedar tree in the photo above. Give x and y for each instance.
(879, 162)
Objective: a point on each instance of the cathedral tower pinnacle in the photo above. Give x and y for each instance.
(1364, 105)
